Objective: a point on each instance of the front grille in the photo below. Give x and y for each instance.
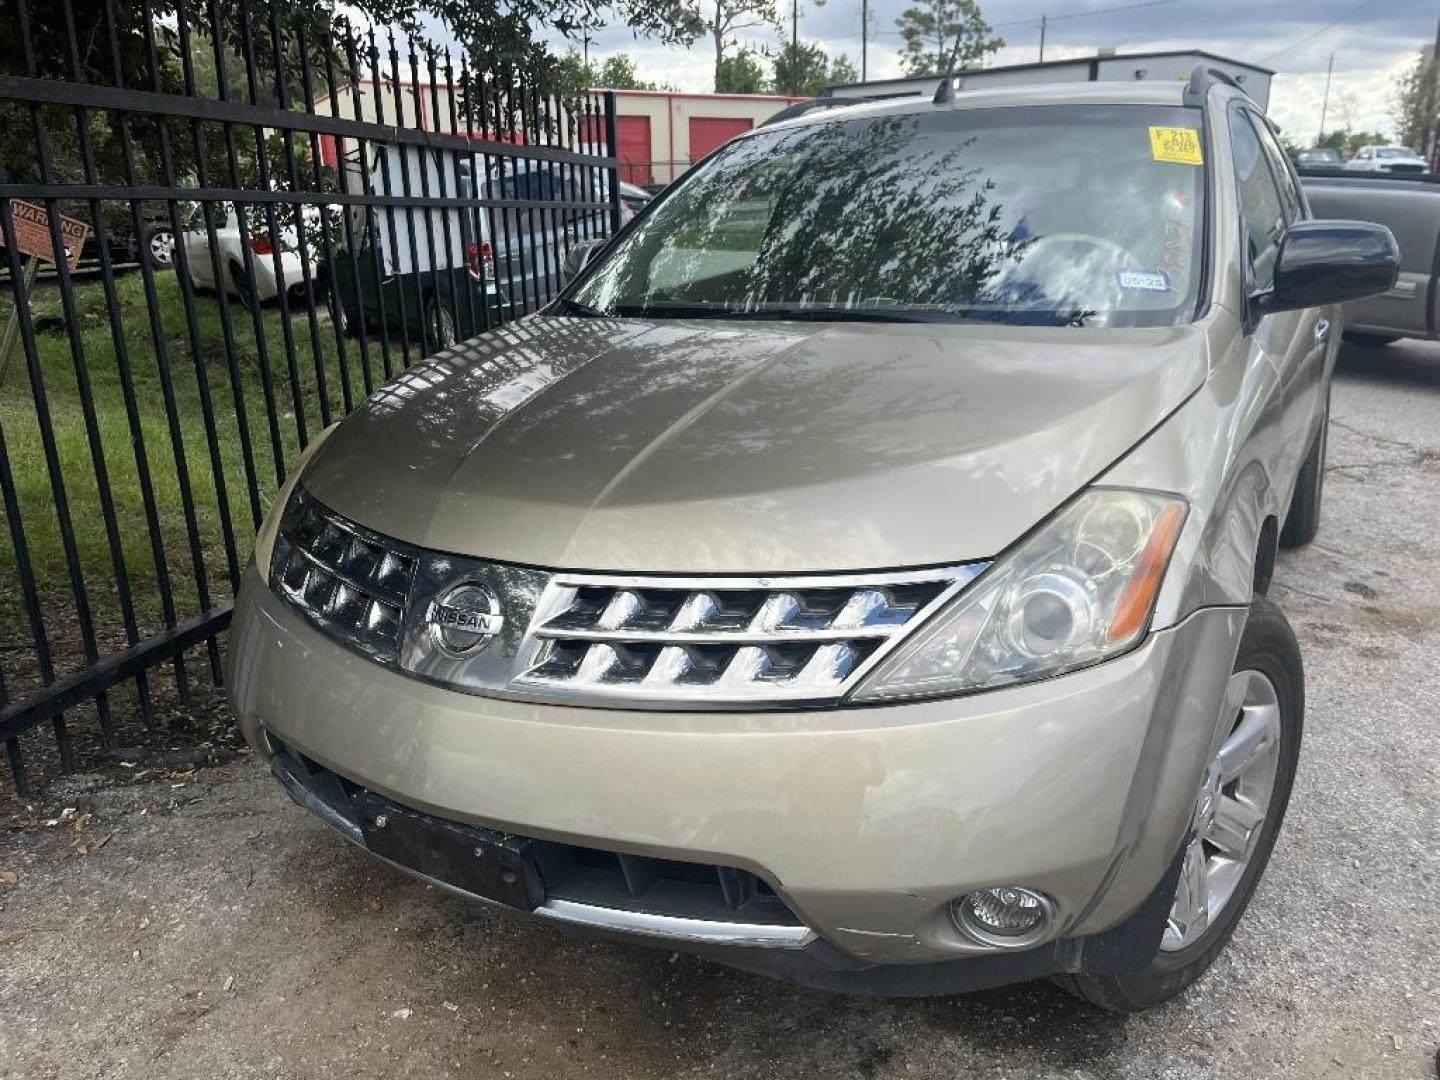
(601, 639)
(349, 581)
(721, 640)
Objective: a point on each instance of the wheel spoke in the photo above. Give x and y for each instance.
(1190, 913)
(1234, 827)
(1256, 732)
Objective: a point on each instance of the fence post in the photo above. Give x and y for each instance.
(612, 151)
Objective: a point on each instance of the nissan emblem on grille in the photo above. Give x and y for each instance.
(465, 619)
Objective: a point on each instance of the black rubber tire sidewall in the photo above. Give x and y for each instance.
(434, 309)
(1269, 646)
(240, 283)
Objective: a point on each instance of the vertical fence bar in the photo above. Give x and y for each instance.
(367, 186)
(266, 182)
(307, 85)
(87, 398)
(612, 145)
(479, 216)
(257, 321)
(227, 334)
(342, 172)
(287, 138)
(149, 502)
(391, 154)
(167, 384)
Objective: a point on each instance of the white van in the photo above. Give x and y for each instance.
(444, 272)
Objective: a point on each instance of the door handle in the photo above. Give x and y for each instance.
(1322, 331)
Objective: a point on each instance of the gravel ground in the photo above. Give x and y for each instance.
(196, 924)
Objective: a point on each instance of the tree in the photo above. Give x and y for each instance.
(741, 74)
(843, 70)
(1416, 105)
(723, 19)
(940, 29)
(807, 70)
(618, 73)
(1347, 141)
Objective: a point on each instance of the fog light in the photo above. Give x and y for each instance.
(1007, 916)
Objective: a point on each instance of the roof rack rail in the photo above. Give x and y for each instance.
(1202, 77)
(800, 108)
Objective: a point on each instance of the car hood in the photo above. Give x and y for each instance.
(713, 447)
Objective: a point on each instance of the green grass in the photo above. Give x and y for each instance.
(185, 363)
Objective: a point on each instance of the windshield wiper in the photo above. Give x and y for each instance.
(833, 314)
(807, 314)
(585, 311)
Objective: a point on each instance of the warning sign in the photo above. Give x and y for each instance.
(32, 233)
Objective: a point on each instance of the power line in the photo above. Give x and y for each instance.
(1035, 20)
(1316, 33)
(1082, 14)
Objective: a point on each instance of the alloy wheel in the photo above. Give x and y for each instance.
(1230, 807)
(161, 247)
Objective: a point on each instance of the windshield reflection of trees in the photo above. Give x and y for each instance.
(887, 219)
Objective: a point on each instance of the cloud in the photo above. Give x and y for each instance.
(1372, 43)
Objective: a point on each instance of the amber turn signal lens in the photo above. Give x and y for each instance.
(1133, 608)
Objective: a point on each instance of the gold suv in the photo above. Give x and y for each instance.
(858, 575)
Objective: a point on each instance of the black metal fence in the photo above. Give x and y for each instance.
(284, 212)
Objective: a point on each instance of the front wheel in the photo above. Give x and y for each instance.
(1239, 806)
(158, 248)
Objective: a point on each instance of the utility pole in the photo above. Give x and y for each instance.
(1042, 39)
(1325, 102)
(865, 36)
(794, 46)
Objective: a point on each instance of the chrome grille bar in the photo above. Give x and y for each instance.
(717, 641)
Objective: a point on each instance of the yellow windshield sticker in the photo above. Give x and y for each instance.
(1180, 145)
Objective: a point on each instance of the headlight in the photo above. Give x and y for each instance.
(1078, 590)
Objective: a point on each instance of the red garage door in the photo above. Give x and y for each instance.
(635, 148)
(708, 132)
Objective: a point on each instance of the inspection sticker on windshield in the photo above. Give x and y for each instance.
(1145, 280)
(1180, 145)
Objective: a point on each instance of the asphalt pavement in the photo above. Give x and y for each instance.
(208, 928)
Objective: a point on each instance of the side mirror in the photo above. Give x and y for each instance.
(1328, 262)
(579, 256)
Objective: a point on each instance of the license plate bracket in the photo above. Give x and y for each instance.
(496, 866)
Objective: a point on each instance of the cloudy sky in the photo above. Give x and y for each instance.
(1373, 40)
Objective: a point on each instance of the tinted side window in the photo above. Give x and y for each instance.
(1259, 201)
(1289, 193)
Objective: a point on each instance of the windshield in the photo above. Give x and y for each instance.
(1051, 215)
(1395, 152)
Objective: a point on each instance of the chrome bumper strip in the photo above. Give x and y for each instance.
(611, 920)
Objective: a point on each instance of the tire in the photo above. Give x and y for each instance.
(441, 329)
(1359, 337)
(347, 326)
(240, 284)
(1302, 521)
(1267, 649)
(157, 248)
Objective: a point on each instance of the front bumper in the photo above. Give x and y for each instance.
(865, 821)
